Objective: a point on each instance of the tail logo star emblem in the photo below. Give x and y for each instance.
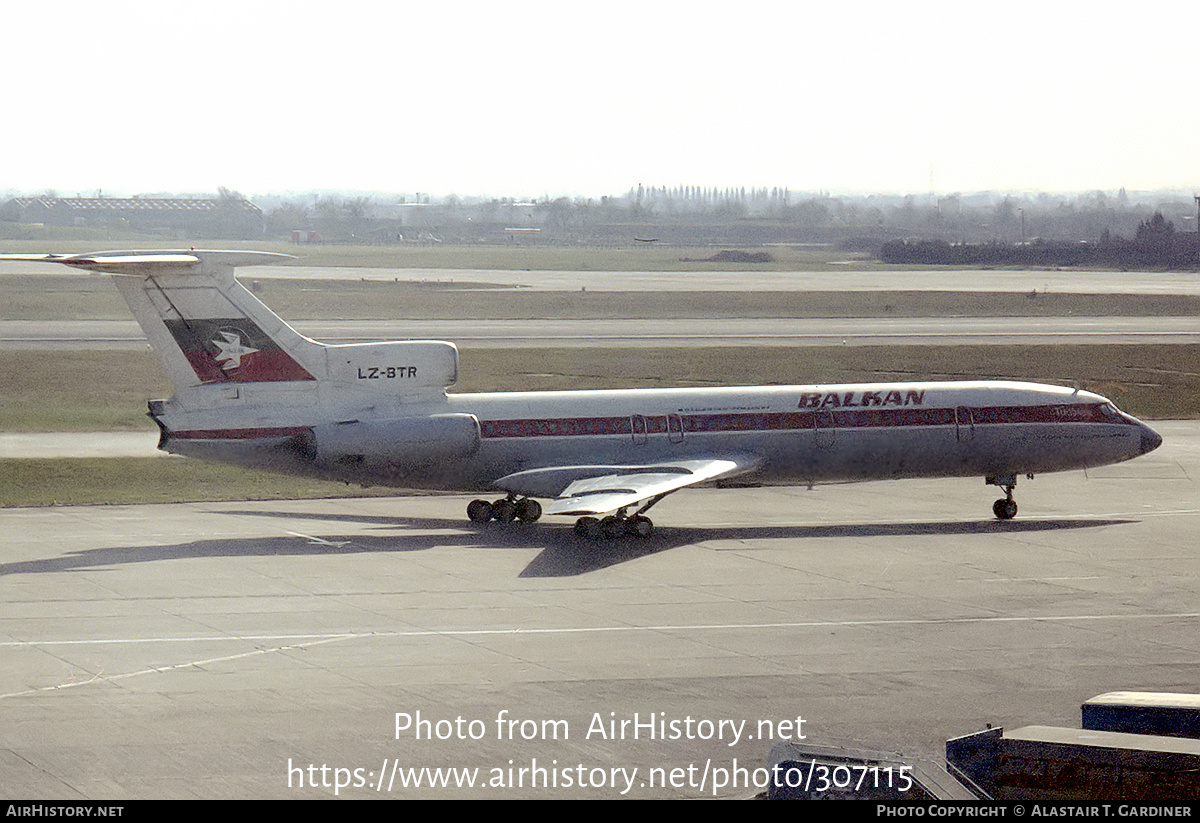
(232, 350)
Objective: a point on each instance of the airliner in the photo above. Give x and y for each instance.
(251, 391)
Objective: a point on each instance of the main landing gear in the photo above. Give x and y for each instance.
(528, 510)
(619, 524)
(505, 510)
(614, 526)
(1006, 507)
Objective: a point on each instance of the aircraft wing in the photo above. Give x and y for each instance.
(579, 490)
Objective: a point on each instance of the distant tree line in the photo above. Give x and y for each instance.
(1155, 244)
(694, 215)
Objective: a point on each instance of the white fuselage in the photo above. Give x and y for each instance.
(789, 434)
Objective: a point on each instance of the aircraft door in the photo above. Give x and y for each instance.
(825, 427)
(638, 428)
(964, 424)
(675, 428)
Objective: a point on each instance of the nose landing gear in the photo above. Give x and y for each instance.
(1006, 507)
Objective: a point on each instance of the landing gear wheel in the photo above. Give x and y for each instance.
(528, 511)
(639, 526)
(589, 528)
(613, 527)
(1005, 509)
(479, 511)
(504, 511)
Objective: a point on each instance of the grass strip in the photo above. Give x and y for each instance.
(121, 480)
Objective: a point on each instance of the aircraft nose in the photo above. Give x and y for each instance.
(1151, 439)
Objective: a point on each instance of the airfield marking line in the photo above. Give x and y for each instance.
(316, 640)
(199, 639)
(806, 624)
(102, 678)
(1039, 579)
(950, 520)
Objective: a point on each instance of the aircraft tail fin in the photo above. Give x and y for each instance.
(210, 330)
(207, 327)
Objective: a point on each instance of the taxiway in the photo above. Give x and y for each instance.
(236, 649)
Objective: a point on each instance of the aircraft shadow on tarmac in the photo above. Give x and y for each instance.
(563, 553)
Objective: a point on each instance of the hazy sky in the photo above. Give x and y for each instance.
(532, 98)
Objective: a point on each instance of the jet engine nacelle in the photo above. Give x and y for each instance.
(404, 440)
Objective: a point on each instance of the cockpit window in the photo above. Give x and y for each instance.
(1110, 411)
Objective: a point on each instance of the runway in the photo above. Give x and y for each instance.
(837, 279)
(540, 333)
(926, 279)
(257, 649)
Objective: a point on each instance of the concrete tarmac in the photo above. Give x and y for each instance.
(265, 650)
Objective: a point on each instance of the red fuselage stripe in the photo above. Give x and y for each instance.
(677, 423)
(684, 424)
(239, 434)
